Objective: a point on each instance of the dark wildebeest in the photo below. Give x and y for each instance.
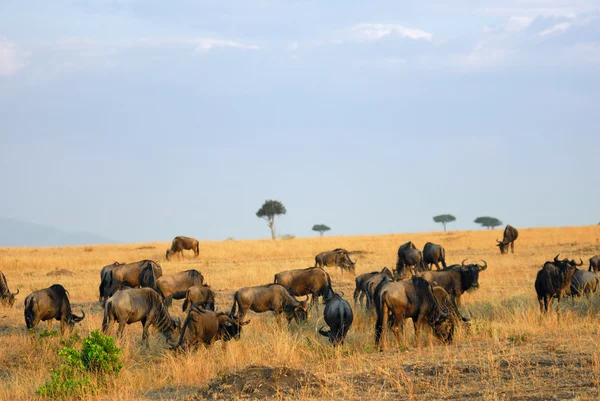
(201, 296)
(138, 305)
(7, 298)
(373, 282)
(50, 303)
(313, 280)
(456, 279)
(270, 297)
(205, 327)
(338, 316)
(180, 244)
(338, 257)
(409, 299)
(361, 290)
(434, 254)
(552, 281)
(583, 283)
(175, 286)
(105, 280)
(594, 264)
(510, 236)
(409, 256)
(138, 274)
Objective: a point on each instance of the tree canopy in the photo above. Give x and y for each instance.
(268, 211)
(489, 222)
(444, 219)
(321, 228)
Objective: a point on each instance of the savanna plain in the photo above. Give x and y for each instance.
(508, 352)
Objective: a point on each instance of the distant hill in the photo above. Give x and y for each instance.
(20, 233)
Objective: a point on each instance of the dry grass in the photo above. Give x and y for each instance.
(510, 352)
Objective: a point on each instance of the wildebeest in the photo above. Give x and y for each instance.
(105, 280)
(180, 244)
(409, 299)
(434, 254)
(138, 305)
(270, 297)
(338, 316)
(373, 282)
(138, 274)
(7, 298)
(409, 256)
(360, 291)
(594, 264)
(583, 283)
(552, 281)
(50, 303)
(205, 327)
(175, 286)
(456, 280)
(510, 236)
(313, 280)
(338, 257)
(199, 295)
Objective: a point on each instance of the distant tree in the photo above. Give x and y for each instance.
(268, 211)
(444, 219)
(321, 228)
(489, 222)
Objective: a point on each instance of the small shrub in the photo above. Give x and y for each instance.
(287, 236)
(88, 249)
(45, 333)
(100, 354)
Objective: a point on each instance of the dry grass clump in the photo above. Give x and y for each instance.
(508, 352)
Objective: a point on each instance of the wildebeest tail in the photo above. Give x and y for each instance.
(443, 255)
(28, 312)
(108, 310)
(233, 307)
(187, 302)
(147, 277)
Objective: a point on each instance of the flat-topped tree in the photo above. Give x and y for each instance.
(320, 228)
(444, 219)
(489, 222)
(268, 211)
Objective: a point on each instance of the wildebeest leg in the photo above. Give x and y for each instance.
(396, 330)
(361, 298)
(541, 301)
(314, 302)
(50, 324)
(384, 325)
(418, 323)
(558, 307)
(512, 247)
(437, 266)
(355, 296)
(145, 325)
(121, 328)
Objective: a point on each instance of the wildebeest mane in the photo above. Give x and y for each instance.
(553, 277)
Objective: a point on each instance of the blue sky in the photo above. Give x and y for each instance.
(142, 120)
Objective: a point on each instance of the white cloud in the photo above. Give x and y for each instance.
(11, 58)
(561, 27)
(373, 32)
(516, 24)
(484, 55)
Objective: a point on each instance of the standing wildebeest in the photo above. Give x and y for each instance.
(409, 256)
(105, 279)
(338, 257)
(138, 274)
(138, 305)
(7, 298)
(583, 283)
(199, 295)
(338, 316)
(270, 297)
(50, 303)
(206, 327)
(373, 282)
(594, 264)
(174, 286)
(180, 244)
(313, 280)
(510, 236)
(456, 280)
(434, 254)
(361, 281)
(409, 299)
(552, 281)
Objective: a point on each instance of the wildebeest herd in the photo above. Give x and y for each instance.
(139, 292)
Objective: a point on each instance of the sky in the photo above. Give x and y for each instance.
(140, 120)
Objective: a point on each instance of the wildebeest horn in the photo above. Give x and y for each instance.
(556, 258)
(580, 262)
(484, 265)
(323, 332)
(463, 262)
(16, 292)
(498, 241)
(78, 319)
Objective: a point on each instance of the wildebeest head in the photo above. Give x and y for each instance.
(344, 260)
(173, 329)
(73, 318)
(503, 245)
(470, 274)
(9, 299)
(298, 313)
(231, 326)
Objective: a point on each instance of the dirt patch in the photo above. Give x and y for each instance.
(259, 382)
(60, 272)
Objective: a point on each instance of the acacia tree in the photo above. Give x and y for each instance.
(444, 219)
(268, 211)
(321, 228)
(489, 222)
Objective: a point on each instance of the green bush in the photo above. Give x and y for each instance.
(100, 354)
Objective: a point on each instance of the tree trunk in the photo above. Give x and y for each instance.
(321, 232)
(444, 224)
(272, 227)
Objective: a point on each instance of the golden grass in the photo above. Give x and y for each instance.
(509, 353)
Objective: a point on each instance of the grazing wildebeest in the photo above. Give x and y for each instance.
(360, 290)
(594, 264)
(456, 280)
(138, 305)
(409, 256)
(510, 236)
(583, 283)
(7, 298)
(105, 280)
(180, 244)
(201, 296)
(174, 286)
(552, 281)
(434, 254)
(338, 257)
(138, 274)
(205, 327)
(313, 280)
(373, 282)
(50, 303)
(270, 297)
(338, 316)
(409, 299)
